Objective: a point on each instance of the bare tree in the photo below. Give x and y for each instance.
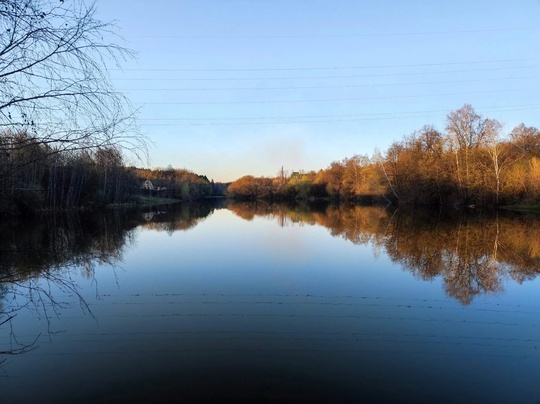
(527, 139)
(499, 153)
(466, 129)
(54, 80)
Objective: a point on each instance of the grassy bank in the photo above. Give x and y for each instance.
(139, 200)
(530, 207)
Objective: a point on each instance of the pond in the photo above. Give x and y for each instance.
(255, 302)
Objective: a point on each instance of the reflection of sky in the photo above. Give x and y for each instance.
(247, 304)
(228, 250)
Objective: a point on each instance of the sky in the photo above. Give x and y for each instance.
(227, 88)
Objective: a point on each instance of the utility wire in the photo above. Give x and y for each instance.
(336, 86)
(334, 99)
(296, 121)
(352, 35)
(323, 68)
(384, 115)
(324, 77)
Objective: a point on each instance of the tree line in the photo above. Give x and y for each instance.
(36, 176)
(471, 162)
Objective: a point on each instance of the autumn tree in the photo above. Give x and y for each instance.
(498, 152)
(431, 162)
(392, 169)
(249, 187)
(332, 178)
(361, 179)
(533, 178)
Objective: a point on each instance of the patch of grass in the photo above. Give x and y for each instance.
(140, 200)
(154, 200)
(530, 207)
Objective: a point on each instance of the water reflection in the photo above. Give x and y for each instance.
(34, 246)
(178, 217)
(41, 256)
(245, 310)
(473, 253)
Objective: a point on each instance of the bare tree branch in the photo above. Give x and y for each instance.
(54, 80)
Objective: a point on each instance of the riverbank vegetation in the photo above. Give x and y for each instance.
(470, 163)
(35, 177)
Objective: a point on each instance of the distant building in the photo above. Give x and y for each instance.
(150, 187)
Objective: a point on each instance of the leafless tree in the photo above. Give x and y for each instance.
(527, 139)
(54, 79)
(466, 130)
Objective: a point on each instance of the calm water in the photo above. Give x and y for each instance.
(270, 303)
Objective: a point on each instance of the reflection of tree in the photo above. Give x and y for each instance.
(179, 217)
(31, 246)
(286, 213)
(472, 253)
(244, 210)
(41, 255)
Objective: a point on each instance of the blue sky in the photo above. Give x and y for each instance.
(233, 87)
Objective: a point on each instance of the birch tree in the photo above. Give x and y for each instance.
(54, 80)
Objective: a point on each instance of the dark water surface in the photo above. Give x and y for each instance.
(270, 303)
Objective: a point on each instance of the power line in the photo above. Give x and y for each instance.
(336, 86)
(333, 100)
(300, 122)
(322, 68)
(352, 35)
(302, 119)
(325, 77)
(517, 107)
(287, 122)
